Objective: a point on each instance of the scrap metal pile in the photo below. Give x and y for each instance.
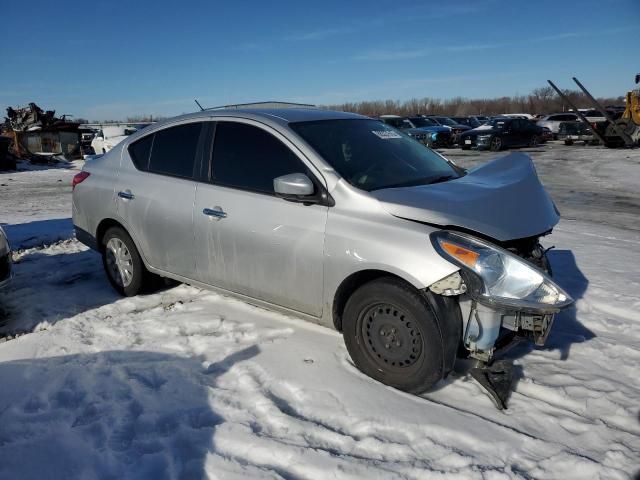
(33, 118)
(38, 135)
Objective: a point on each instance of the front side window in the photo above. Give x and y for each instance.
(423, 122)
(174, 150)
(371, 155)
(249, 158)
(446, 121)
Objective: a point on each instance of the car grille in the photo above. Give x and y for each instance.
(5, 267)
(443, 138)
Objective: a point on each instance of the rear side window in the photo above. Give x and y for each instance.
(139, 152)
(174, 150)
(250, 158)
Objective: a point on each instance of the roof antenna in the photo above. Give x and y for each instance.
(198, 103)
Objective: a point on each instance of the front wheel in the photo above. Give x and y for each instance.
(496, 144)
(392, 334)
(122, 263)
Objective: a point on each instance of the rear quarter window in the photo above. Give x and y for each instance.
(139, 152)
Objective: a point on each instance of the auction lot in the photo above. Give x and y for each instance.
(185, 383)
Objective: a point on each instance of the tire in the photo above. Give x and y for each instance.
(392, 334)
(496, 144)
(126, 271)
(534, 141)
(568, 142)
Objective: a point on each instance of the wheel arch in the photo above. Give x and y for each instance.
(351, 284)
(446, 309)
(104, 225)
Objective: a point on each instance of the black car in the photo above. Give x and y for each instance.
(502, 133)
(470, 122)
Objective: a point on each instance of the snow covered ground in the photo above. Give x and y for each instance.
(185, 383)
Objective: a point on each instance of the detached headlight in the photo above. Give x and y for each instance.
(497, 276)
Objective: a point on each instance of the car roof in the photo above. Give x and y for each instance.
(277, 115)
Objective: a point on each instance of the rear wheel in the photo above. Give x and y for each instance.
(392, 334)
(122, 263)
(534, 141)
(496, 144)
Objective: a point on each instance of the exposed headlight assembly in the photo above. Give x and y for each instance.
(497, 277)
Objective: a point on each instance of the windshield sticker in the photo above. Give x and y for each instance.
(386, 134)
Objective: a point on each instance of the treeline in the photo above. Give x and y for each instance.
(542, 100)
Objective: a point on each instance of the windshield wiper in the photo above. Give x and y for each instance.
(441, 179)
(418, 181)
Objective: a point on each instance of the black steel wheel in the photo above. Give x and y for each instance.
(392, 334)
(391, 339)
(496, 144)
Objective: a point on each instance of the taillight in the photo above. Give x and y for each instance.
(78, 178)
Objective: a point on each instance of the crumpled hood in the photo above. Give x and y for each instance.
(502, 199)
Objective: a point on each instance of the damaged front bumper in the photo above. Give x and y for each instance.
(501, 296)
(485, 323)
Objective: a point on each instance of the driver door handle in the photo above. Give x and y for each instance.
(127, 195)
(215, 212)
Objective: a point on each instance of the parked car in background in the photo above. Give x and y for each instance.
(440, 136)
(502, 132)
(547, 134)
(5, 259)
(109, 136)
(406, 126)
(470, 122)
(481, 118)
(522, 116)
(336, 218)
(571, 132)
(552, 122)
(456, 128)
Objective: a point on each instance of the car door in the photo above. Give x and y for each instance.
(250, 241)
(155, 194)
(517, 133)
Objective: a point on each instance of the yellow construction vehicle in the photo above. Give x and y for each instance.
(629, 122)
(621, 132)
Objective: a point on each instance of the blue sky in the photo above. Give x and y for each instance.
(111, 59)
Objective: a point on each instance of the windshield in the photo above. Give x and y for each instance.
(398, 122)
(472, 122)
(423, 122)
(445, 121)
(371, 155)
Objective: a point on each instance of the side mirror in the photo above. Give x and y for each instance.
(296, 184)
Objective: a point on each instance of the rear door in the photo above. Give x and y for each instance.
(247, 239)
(155, 194)
(519, 134)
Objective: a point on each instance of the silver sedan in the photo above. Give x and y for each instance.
(336, 218)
